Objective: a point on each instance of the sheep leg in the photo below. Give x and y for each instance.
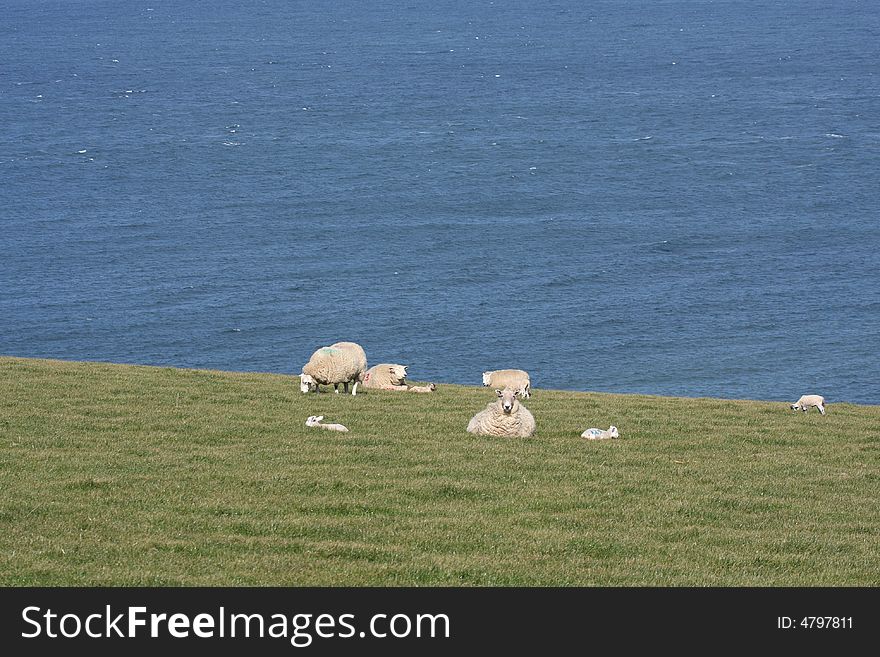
(345, 387)
(354, 388)
(336, 388)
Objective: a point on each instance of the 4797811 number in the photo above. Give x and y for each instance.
(815, 623)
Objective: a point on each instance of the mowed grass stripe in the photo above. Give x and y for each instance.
(131, 475)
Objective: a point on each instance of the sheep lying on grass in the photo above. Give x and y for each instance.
(315, 421)
(386, 376)
(389, 376)
(342, 362)
(806, 401)
(601, 434)
(503, 417)
(516, 379)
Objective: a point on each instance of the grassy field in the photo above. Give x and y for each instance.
(124, 475)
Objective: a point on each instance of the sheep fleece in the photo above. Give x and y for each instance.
(338, 363)
(509, 379)
(383, 375)
(492, 421)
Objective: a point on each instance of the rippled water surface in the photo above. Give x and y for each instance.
(678, 197)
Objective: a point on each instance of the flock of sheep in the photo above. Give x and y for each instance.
(345, 363)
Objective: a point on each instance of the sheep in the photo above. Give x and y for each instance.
(315, 421)
(601, 434)
(504, 417)
(386, 376)
(341, 362)
(516, 379)
(428, 388)
(806, 401)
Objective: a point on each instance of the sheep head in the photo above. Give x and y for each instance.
(398, 374)
(307, 383)
(508, 400)
(487, 377)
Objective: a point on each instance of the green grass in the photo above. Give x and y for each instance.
(124, 475)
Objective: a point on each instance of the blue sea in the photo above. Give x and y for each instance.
(678, 197)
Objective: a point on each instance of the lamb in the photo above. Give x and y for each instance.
(386, 376)
(504, 417)
(341, 362)
(601, 434)
(806, 401)
(315, 421)
(516, 379)
(428, 388)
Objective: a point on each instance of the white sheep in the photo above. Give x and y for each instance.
(601, 434)
(806, 401)
(341, 362)
(386, 376)
(315, 421)
(428, 388)
(503, 417)
(516, 379)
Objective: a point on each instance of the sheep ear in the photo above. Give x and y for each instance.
(498, 392)
(319, 418)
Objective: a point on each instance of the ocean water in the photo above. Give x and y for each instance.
(679, 197)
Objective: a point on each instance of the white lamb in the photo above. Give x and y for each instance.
(341, 362)
(386, 376)
(601, 434)
(516, 379)
(806, 401)
(315, 421)
(503, 417)
(428, 388)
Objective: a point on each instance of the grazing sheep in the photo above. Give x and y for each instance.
(806, 401)
(516, 379)
(315, 421)
(601, 434)
(386, 376)
(504, 417)
(341, 362)
(428, 388)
